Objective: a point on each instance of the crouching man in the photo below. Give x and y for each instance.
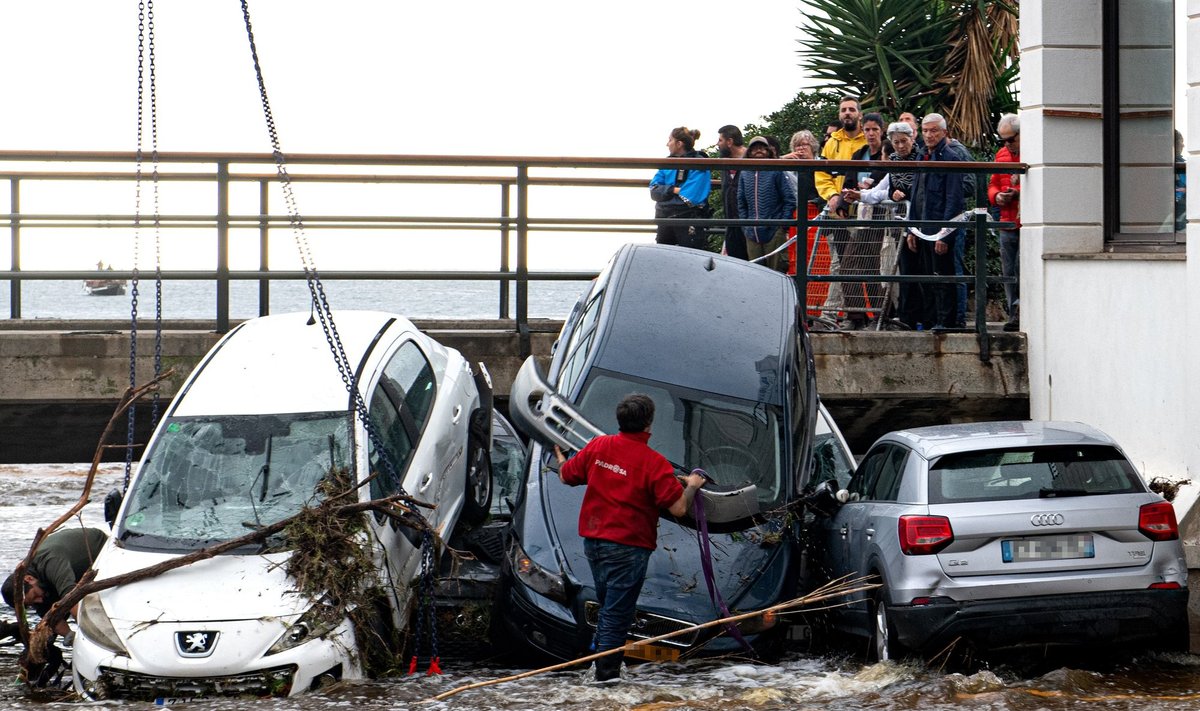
(628, 485)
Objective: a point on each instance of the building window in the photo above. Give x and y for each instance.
(1144, 200)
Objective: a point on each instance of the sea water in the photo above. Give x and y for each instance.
(449, 299)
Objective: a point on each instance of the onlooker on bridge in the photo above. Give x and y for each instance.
(896, 186)
(842, 145)
(1004, 191)
(910, 118)
(830, 128)
(681, 193)
(877, 148)
(731, 145)
(765, 195)
(939, 196)
(804, 147)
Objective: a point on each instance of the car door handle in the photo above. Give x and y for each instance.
(870, 532)
(425, 482)
(457, 414)
(845, 530)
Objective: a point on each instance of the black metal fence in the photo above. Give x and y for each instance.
(512, 178)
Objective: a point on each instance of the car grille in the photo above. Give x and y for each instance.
(117, 683)
(647, 625)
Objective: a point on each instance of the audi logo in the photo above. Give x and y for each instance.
(1053, 519)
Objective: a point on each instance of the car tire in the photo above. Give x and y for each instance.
(884, 644)
(478, 488)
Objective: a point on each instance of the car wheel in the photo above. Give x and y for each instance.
(884, 645)
(478, 488)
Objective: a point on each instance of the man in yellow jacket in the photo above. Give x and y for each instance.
(840, 146)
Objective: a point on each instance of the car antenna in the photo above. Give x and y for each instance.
(710, 265)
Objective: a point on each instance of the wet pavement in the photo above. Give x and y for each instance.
(32, 496)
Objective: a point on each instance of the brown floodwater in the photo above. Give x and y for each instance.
(32, 496)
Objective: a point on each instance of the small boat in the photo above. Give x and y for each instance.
(104, 287)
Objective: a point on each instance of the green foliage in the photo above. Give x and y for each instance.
(885, 50)
(958, 58)
(809, 110)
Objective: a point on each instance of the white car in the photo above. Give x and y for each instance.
(258, 424)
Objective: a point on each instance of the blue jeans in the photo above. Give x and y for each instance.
(1010, 265)
(619, 571)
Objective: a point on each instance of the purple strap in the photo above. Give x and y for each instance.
(707, 566)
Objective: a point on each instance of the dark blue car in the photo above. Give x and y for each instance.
(717, 344)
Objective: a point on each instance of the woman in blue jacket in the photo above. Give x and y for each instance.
(681, 193)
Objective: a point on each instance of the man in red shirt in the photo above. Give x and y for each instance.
(628, 485)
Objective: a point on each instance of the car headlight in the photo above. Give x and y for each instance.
(95, 625)
(534, 576)
(320, 619)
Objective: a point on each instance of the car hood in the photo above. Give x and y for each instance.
(749, 565)
(226, 587)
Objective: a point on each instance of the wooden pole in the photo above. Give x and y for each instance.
(836, 588)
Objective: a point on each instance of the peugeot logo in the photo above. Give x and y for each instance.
(1050, 519)
(199, 643)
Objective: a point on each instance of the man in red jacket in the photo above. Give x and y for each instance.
(628, 485)
(1004, 191)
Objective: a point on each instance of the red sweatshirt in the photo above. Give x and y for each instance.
(628, 484)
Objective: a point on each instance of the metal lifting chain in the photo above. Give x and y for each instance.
(145, 65)
(324, 314)
(316, 290)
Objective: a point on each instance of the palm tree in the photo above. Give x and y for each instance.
(956, 57)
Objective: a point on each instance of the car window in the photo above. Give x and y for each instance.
(396, 440)
(410, 372)
(1030, 473)
(574, 366)
(887, 481)
(866, 474)
(830, 459)
(737, 442)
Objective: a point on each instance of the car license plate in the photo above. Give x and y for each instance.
(1064, 547)
(653, 653)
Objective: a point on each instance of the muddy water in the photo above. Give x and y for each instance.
(33, 496)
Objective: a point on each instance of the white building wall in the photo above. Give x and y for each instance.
(1108, 335)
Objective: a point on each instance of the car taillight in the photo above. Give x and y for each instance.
(922, 535)
(1165, 586)
(1157, 521)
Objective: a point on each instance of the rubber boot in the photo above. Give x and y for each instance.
(609, 667)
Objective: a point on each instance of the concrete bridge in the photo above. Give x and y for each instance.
(59, 380)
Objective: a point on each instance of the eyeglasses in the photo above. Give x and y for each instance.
(1010, 139)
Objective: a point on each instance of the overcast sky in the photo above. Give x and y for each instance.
(543, 77)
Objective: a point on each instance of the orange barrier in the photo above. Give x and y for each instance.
(818, 263)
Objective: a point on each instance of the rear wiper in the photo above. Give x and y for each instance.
(1054, 493)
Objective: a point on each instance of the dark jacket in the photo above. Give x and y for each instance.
(693, 189)
(764, 195)
(940, 196)
(62, 559)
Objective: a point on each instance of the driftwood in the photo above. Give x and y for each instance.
(130, 396)
(835, 589)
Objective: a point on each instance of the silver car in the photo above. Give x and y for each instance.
(1003, 535)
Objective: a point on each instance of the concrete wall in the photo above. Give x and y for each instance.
(1109, 334)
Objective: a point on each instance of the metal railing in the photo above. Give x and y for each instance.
(511, 178)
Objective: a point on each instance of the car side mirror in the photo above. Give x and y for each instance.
(825, 498)
(112, 504)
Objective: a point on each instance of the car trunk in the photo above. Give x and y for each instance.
(1044, 535)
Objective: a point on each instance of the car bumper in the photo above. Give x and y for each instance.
(155, 672)
(1136, 618)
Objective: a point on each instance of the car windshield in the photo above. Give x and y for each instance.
(736, 442)
(1031, 473)
(212, 479)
